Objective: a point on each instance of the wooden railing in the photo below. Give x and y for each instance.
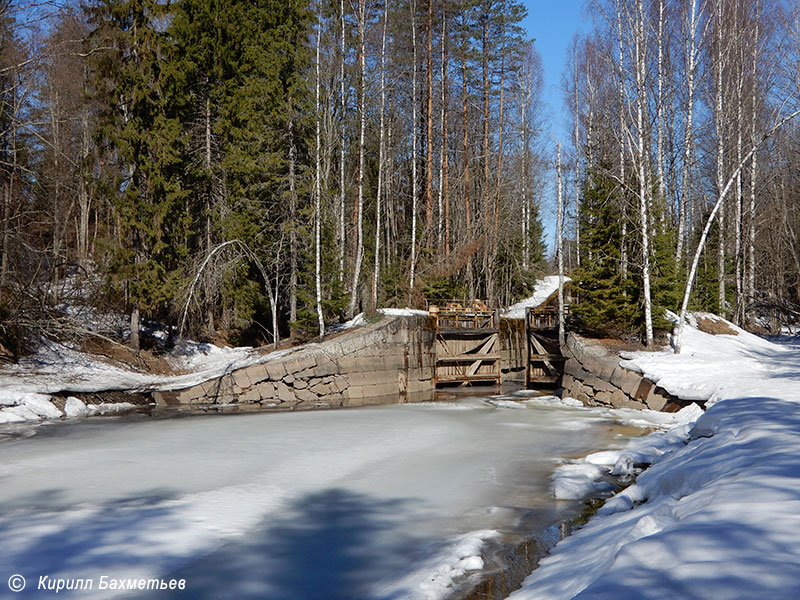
(455, 314)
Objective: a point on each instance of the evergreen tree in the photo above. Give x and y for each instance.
(607, 301)
(246, 65)
(140, 126)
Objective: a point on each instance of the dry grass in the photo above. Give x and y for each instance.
(122, 356)
(715, 326)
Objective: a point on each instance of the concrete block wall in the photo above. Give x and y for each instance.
(392, 360)
(592, 375)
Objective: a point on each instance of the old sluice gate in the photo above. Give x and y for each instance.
(474, 344)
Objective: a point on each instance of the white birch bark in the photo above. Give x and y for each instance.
(342, 233)
(413, 147)
(622, 140)
(751, 242)
(317, 186)
(719, 126)
(560, 249)
(688, 135)
(362, 109)
(640, 45)
(739, 316)
(381, 152)
(527, 93)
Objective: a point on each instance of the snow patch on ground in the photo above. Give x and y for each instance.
(544, 288)
(403, 312)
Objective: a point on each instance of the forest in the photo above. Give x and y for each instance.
(684, 142)
(245, 172)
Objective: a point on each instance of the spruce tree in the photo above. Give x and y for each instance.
(607, 301)
(139, 125)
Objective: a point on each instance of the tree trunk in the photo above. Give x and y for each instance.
(342, 140)
(496, 217)
(577, 160)
(317, 186)
(413, 148)
(688, 136)
(381, 153)
(443, 225)
(134, 339)
(362, 92)
(560, 250)
(641, 107)
(720, 130)
(429, 125)
(292, 229)
(622, 139)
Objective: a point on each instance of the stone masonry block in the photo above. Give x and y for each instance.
(306, 395)
(241, 379)
(284, 392)
(250, 396)
(656, 399)
(266, 389)
(276, 370)
(626, 380)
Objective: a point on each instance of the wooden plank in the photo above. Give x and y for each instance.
(467, 357)
(547, 357)
(544, 378)
(488, 345)
(464, 379)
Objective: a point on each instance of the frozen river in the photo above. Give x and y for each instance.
(383, 502)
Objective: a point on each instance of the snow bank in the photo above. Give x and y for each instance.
(719, 518)
(26, 406)
(717, 515)
(712, 367)
(583, 477)
(544, 288)
(75, 409)
(57, 368)
(402, 312)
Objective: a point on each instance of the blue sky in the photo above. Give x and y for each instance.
(552, 24)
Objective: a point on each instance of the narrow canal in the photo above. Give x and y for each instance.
(397, 501)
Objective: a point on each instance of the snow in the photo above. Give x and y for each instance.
(583, 477)
(26, 387)
(717, 515)
(395, 501)
(75, 409)
(403, 312)
(712, 367)
(544, 288)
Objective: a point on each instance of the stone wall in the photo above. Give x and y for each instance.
(592, 375)
(389, 361)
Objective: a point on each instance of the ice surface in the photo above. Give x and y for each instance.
(379, 502)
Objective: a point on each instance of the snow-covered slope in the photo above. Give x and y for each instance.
(25, 386)
(545, 288)
(718, 514)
